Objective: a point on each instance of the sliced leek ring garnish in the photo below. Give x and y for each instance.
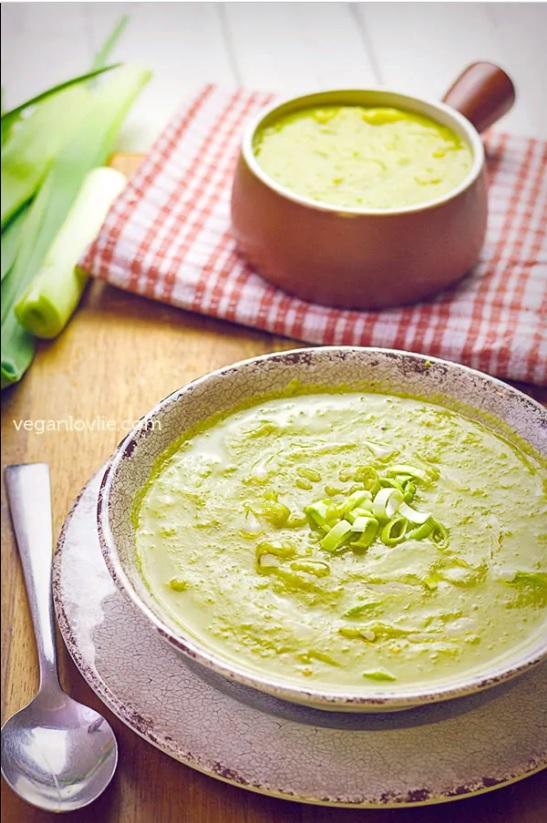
(386, 503)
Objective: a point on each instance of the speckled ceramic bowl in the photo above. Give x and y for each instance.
(475, 394)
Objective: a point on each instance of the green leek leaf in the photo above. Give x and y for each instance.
(33, 145)
(106, 49)
(11, 237)
(29, 144)
(17, 351)
(17, 343)
(66, 84)
(379, 674)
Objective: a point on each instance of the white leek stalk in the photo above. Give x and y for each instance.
(46, 306)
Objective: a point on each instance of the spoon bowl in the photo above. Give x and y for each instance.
(58, 754)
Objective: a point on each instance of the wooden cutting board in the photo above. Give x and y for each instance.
(126, 162)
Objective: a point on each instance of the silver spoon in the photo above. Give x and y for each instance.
(56, 753)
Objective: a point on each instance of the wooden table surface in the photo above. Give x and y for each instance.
(121, 353)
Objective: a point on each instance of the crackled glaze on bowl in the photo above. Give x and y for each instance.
(458, 387)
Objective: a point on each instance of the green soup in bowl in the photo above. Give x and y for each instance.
(362, 156)
(352, 529)
(348, 538)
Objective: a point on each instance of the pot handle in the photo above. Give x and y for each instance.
(483, 93)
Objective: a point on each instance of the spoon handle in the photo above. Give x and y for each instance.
(29, 498)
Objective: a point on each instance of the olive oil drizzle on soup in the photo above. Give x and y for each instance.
(348, 540)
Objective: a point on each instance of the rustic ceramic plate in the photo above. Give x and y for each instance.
(430, 754)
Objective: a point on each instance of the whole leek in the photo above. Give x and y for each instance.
(88, 147)
(49, 144)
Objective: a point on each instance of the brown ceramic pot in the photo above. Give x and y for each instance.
(366, 258)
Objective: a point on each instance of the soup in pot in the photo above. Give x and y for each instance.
(362, 157)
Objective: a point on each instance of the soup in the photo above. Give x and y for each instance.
(348, 540)
(355, 156)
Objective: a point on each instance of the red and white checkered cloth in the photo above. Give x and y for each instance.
(168, 237)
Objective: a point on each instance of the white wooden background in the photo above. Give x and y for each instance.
(415, 47)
